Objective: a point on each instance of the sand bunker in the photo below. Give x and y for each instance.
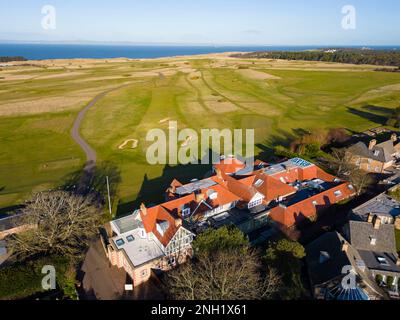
(256, 75)
(134, 143)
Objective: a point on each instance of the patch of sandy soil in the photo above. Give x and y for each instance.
(378, 92)
(134, 143)
(15, 77)
(221, 106)
(61, 75)
(53, 104)
(256, 75)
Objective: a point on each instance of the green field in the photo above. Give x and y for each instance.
(37, 152)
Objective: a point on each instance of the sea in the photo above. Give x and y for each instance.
(39, 51)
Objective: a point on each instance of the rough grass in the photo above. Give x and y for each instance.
(37, 152)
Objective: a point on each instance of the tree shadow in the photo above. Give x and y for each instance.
(83, 182)
(368, 115)
(152, 191)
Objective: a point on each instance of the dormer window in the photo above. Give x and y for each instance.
(383, 261)
(338, 194)
(376, 153)
(259, 183)
(185, 212)
(162, 227)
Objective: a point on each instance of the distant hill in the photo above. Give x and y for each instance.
(353, 56)
(9, 59)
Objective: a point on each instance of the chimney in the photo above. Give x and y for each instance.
(372, 144)
(397, 223)
(178, 223)
(219, 173)
(200, 197)
(394, 137)
(143, 209)
(377, 223)
(370, 217)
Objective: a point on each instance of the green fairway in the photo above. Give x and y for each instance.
(274, 98)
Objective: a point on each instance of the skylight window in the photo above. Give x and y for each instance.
(120, 242)
(130, 238)
(338, 194)
(383, 261)
(259, 183)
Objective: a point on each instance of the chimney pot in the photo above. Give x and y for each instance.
(377, 223)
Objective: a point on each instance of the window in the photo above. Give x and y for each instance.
(338, 194)
(130, 238)
(255, 203)
(144, 273)
(383, 261)
(373, 241)
(120, 242)
(259, 183)
(376, 153)
(186, 212)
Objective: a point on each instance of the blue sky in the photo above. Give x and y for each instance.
(261, 22)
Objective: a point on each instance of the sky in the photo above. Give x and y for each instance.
(217, 22)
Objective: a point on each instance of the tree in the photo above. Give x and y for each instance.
(233, 274)
(285, 255)
(61, 224)
(224, 268)
(344, 167)
(221, 239)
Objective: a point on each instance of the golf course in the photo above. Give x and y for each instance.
(40, 101)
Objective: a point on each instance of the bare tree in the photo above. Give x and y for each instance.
(63, 224)
(343, 164)
(223, 275)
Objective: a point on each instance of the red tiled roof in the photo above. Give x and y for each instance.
(272, 188)
(305, 209)
(230, 165)
(158, 213)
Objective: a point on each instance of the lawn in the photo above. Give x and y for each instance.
(37, 152)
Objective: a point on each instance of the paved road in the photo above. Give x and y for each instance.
(91, 156)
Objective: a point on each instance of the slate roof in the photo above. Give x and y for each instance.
(330, 243)
(10, 222)
(382, 205)
(371, 261)
(382, 152)
(360, 234)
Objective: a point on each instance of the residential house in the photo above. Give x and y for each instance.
(375, 158)
(383, 206)
(375, 242)
(331, 262)
(149, 239)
